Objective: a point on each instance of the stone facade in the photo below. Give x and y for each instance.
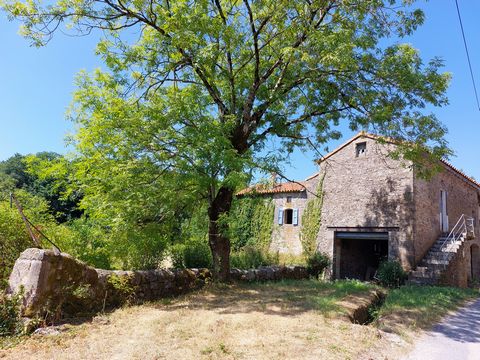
(286, 237)
(368, 195)
(463, 197)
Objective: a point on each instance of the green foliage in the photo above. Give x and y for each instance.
(197, 254)
(391, 274)
(194, 253)
(14, 238)
(177, 255)
(85, 240)
(311, 220)
(29, 173)
(10, 320)
(317, 263)
(251, 223)
(251, 258)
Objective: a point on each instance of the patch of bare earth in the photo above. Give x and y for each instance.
(234, 322)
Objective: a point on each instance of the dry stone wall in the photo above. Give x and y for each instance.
(58, 284)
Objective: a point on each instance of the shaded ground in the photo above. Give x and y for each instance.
(289, 320)
(456, 337)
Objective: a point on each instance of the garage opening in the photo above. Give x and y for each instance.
(358, 254)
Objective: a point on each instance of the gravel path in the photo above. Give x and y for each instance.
(456, 337)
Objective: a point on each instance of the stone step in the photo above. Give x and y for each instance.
(421, 281)
(436, 261)
(438, 257)
(434, 275)
(451, 247)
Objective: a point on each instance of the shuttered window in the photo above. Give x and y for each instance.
(295, 216)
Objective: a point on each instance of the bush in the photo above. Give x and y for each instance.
(317, 263)
(193, 254)
(177, 255)
(10, 323)
(197, 254)
(391, 274)
(251, 258)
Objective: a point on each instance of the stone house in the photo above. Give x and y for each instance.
(375, 207)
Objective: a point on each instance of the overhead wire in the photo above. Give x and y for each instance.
(468, 55)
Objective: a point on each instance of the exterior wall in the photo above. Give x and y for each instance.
(371, 192)
(462, 198)
(286, 237)
(374, 193)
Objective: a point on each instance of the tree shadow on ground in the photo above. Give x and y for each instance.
(281, 298)
(463, 326)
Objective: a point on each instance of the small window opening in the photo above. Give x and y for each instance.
(288, 214)
(289, 199)
(361, 149)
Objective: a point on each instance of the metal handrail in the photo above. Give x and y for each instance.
(463, 226)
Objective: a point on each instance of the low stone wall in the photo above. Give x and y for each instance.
(57, 284)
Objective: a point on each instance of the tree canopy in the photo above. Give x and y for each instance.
(195, 90)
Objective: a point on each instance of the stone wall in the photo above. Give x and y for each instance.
(286, 237)
(370, 192)
(462, 198)
(57, 284)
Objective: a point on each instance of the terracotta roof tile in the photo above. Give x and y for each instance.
(277, 188)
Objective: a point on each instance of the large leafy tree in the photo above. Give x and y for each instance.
(196, 88)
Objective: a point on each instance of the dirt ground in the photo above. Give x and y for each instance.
(216, 323)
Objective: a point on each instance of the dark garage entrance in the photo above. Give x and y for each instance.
(358, 254)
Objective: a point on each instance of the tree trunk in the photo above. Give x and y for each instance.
(217, 234)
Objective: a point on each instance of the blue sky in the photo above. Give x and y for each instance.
(36, 86)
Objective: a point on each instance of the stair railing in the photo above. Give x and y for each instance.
(462, 228)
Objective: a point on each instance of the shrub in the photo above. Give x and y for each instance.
(10, 323)
(391, 274)
(251, 258)
(176, 253)
(197, 254)
(192, 254)
(317, 263)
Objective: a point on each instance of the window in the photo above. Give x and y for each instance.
(288, 216)
(289, 199)
(361, 149)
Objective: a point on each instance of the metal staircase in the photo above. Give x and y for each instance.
(437, 259)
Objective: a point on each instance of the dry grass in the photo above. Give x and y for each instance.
(292, 320)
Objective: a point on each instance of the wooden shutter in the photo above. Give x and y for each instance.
(295, 216)
(280, 216)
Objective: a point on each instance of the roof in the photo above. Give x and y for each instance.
(459, 172)
(363, 134)
(288, 187)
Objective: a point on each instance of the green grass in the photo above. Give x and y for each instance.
(321, 296)
(421, 306)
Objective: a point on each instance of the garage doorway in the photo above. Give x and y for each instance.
(358, 254)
